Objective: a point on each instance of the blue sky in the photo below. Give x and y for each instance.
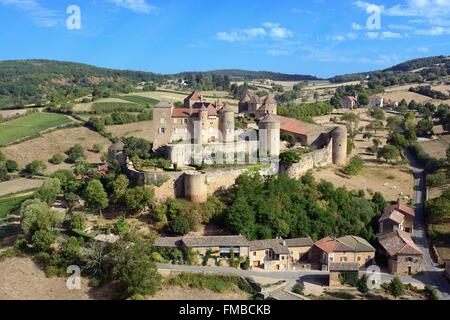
(318, 37)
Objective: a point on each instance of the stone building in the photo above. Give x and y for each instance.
(397, 217)
(256, 106)
(337, 269)
(401, 254)
(350, 102)
(348, 249)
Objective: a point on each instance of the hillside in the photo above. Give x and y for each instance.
(40, 81)
(417, 70)
(237, 74)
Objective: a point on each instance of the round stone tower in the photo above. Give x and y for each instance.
(226, 124)
(269, 136)
(339, 136)
(195, 188)
(203, 118)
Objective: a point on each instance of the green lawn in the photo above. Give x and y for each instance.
(9, 204)
(139, 100)
(29, 125)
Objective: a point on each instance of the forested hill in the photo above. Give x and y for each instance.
(417, 70)
(39, 81)
(237, 74)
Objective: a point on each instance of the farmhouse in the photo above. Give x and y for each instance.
(348, 249)
(397, 217)
(400, 252)
(278, 254)
(350, 102)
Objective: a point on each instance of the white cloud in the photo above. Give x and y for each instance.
(278, 52)
(383, 35)
(140, 6)
(356, 26)
(423, 49)
(268, 30)
(40, 15)
(435, 31)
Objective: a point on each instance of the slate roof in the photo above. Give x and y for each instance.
(216, 241)
(299, 242)
(168, 242)
(358, 244)
(277, 245)
(336, 266)
(398, 242)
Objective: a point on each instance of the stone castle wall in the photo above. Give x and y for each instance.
(316, 159)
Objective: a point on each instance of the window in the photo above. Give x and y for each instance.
(185, 121)
(282, 257)
(267, 251)
(162, 130)
(254, 253)
(175, 121)
(359, 258)
(343, 259)
(409, 259)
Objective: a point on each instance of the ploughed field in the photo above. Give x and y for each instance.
(29, 125)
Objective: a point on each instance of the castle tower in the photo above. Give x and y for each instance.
(193, 98)
(203, 119)
(269, 105)
(269, 136)
(226, 124)
(195, 188)
(339, 136)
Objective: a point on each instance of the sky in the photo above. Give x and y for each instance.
(318, 37)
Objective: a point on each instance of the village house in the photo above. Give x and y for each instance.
(397, 217)
(350, 102)
(214, 247)
(278, 254)
(337, 269)
(399, 251)
(381, 102)
(348, 249)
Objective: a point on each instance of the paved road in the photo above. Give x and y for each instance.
(432, 275)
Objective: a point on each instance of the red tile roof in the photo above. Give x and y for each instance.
(186, 112)
(196, 95)
(297, 126)
(402, 208)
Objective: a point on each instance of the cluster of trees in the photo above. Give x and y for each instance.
(245, 75)
(354, 166)
(7, 166)
(264, 208)
(306, 111)
(427, 91)
(179, 217)
(361, 90)
(207, 81)
(438, 210)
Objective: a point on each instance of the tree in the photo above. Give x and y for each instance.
(35, 216)
(396, 288)
(121, 226)
(11, 165)
(119, 187)
(136, 147)
(75, 153)
(363, 99)
(134, 268)
(42, 240)
(49, 191)
(362, 284)
(70, 251)
(35, 167)
(78, 221)
(57, 158)
(180, 225)
(388, 153)
(137, 199)
(425, 127)
(96, 199)
(3, 172)
(377, 114)
(289, 157)
(438, 210)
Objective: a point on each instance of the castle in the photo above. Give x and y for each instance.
(201, 132)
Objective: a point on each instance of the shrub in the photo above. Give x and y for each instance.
(436, 180)
(42, 240)
(78, 221)
(355, 166)
(396, 288)
(57, 158)
(299, 288)
(75, 153)
(180, 225)
(362, 284)
(35, 167)
(246, 264)
(11, 166)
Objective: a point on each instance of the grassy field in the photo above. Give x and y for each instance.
(111, 107)
(139, 100)
(9, 204)
(29, 125)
